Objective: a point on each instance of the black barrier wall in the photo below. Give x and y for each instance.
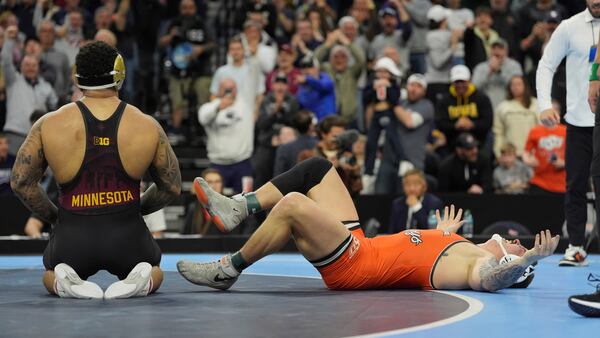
(533, 211)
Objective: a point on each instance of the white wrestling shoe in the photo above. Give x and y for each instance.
(137, 283)
(208, 274)
(227, 213)
(68, 284)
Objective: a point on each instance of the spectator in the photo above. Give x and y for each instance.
(285, 64)
(382, 99)
(505, 24)
(335, 144)
(61, 16)
(25, 91)
(442, 45)
(466, 170)
(392, 35)
(57, 59)
(107, 37)
(350, 29)
(464, 108)
(24, 12)
(231, 113)
(493, 76)
(286, 155)
(321, 22)
(459, 19)
(71, 34)
(327, 131)
(534, 13)
(284, 25)
(191, 44)
(417, 43)
(47, 72)
(44, 10)
(7, 161)
(228, 25)
(365, 14)
(305, 41)
(259, 43)
(198, 220)
(479, 38)
(511, 176)
(411, 210)
(316, 91)
(345, 75)
(277, 109)
(241, 70)
(533, 48)
(262, 10)
(415, 122)
(515, 116)
(545, 153)
(121, 23)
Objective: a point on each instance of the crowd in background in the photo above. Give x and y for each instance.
(439, 90)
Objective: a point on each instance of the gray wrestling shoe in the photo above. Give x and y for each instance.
(227, 213)
(208, 274)
(68, 284)
(136, 284)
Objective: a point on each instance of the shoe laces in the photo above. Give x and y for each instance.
(594, 281)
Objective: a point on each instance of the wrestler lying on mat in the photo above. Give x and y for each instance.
(310, 204)
(98, 149)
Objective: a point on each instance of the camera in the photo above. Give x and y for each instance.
(344, 142)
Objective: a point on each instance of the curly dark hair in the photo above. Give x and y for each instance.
(95, 58)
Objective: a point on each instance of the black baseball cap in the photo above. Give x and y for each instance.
(467, 141)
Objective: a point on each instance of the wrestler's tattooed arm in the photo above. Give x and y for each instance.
(164, 170)
(494, 276)
(27, 173)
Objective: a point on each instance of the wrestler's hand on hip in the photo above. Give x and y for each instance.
(450, 222)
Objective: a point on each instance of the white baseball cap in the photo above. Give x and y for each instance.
(438, 13)
(460, 73)
(417, 78)
(389, 65)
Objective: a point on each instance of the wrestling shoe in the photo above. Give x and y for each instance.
(210, 274)
(226, 212)
(574, 256)
(137, 284)
(68, 284)
(587, 305)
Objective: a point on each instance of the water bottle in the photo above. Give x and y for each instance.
(432, 220)
(467, 228)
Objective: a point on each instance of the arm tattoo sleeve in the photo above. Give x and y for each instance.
(27, 172)
(495, 276)
(166, 175)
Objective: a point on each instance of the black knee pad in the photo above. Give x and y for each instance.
(303, 176)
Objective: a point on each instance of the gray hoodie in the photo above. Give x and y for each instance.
(418, 13)
(439, 56)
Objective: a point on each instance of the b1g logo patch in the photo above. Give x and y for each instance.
(101, 141)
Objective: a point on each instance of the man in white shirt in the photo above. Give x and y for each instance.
(572, 39)
(229, 124)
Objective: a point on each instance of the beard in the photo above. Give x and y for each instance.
(594, 10)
